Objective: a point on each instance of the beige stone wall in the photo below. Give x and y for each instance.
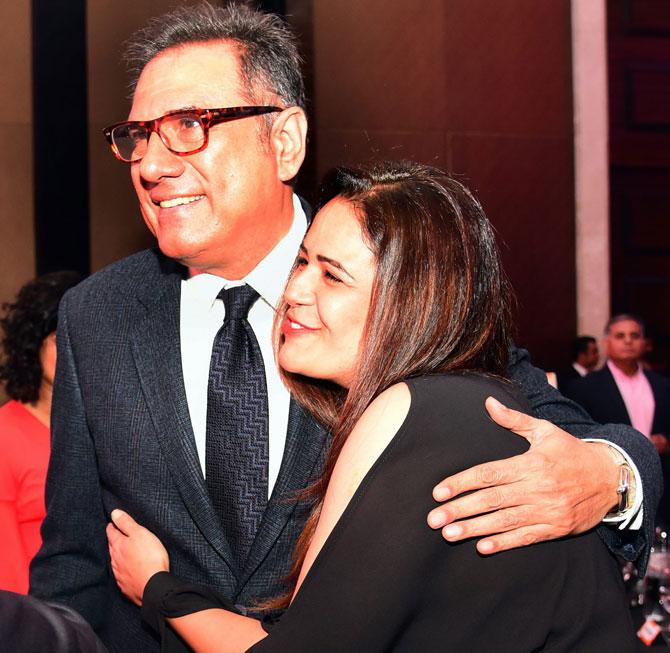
(17, 256)
(116, 225)
(483, 89)
(17, 241)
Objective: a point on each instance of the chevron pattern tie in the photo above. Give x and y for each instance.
(236, 458)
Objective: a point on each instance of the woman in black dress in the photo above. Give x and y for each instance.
(394, 333)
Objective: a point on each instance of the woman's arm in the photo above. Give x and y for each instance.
(218, 631)
(137, 555)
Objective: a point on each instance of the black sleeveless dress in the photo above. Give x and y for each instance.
(384, 581)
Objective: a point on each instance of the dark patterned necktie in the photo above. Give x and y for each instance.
(236, 458)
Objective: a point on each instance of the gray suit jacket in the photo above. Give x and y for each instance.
(122, 438)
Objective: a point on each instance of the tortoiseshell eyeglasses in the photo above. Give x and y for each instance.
(184, 131)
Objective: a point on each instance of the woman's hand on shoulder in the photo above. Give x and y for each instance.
(136, 555)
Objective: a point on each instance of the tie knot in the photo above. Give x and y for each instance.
(238, 300)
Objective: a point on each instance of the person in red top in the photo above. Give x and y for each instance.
(27, 370)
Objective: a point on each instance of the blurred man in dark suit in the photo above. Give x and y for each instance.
(584, 360)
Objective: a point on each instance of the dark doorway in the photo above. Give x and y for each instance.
(60, 120)
(639, 77)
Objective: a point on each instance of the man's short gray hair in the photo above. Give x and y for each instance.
(268, 55)
(624, 317)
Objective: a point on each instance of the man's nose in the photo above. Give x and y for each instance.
(158, 162)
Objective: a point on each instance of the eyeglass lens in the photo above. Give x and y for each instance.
(181, 132)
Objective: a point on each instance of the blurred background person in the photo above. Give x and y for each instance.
(585, 356)
(27, 369)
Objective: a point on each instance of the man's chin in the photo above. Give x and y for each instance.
(180, 253)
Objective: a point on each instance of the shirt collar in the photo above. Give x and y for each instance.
(580, 369)
(621, 376)
(269, 277)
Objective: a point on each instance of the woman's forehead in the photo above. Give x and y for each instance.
(337, 233)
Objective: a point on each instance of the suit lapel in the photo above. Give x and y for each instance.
(303, 454)
(156, 350)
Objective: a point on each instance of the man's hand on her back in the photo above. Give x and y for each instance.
(560, 486)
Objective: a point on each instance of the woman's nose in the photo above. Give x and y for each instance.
(299, 289)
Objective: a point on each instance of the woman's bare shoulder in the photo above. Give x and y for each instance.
(373, 432)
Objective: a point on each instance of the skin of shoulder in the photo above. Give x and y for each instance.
(374, 430)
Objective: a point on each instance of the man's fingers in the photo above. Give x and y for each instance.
(514, 539)
(477, 503)
(524, 425)
(485, 475)
(500, 521)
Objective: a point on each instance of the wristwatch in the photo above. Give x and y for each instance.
(626, 487)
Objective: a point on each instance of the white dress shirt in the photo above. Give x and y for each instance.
(201, 316)
(580, 369)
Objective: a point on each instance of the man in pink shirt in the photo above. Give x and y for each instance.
(623, 392)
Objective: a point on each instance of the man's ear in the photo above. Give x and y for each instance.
(289, 139)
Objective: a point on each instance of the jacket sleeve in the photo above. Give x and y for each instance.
(72, 567)
(547, 403)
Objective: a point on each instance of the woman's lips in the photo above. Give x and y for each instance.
(290, 327)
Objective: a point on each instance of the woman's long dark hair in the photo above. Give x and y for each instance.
(440, 299)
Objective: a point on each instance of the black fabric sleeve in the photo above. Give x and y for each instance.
(167, 596)
(547, 403)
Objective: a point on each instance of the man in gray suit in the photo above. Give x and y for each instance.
(134, 344)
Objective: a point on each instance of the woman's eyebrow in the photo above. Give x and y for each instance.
(334, 263)
(325, 259)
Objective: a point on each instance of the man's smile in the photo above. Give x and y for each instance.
(178, 201)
